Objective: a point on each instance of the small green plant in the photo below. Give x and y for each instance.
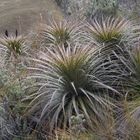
(77, 124)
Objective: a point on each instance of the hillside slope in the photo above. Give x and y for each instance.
(23, 14)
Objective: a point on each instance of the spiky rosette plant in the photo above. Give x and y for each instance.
(70, 82)
(13, 50)
(59, 33)
(116, 38)
(107, 30)
(13, 45)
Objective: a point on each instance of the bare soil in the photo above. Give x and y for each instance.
(24, 14)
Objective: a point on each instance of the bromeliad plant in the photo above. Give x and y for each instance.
(13, 49)
(107, 30)
(59, 33)
(13, 45)
(70, 82)
(110, 33)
